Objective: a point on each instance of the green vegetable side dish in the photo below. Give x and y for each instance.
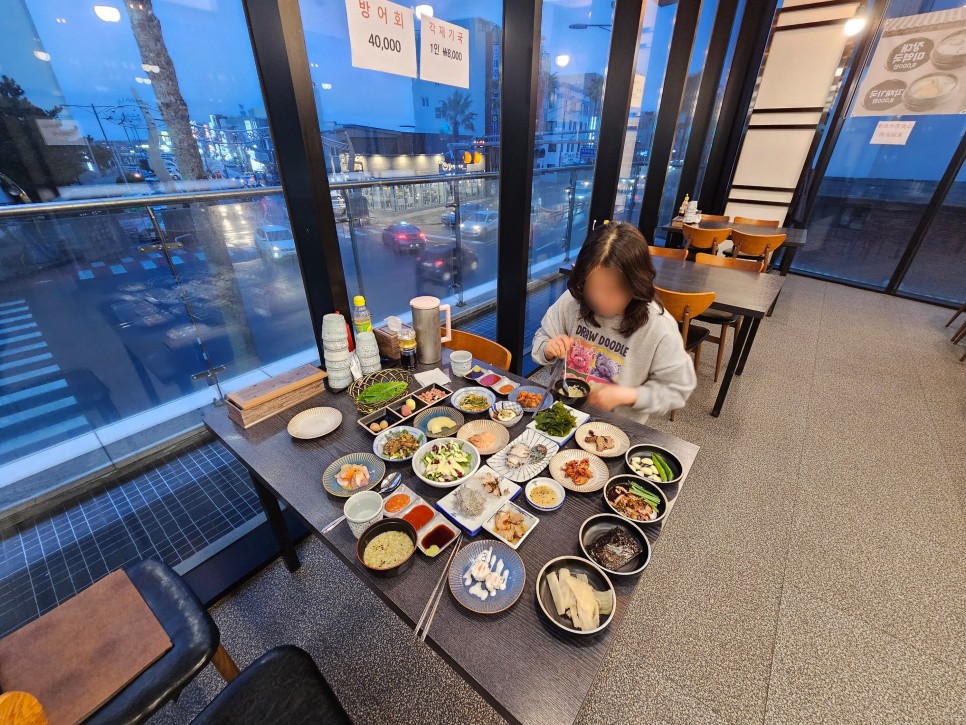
(446, 463)
(556, 420)
(381, 392)
(663, 469)
(653, 500)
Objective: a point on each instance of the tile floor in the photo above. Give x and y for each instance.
(813, 571)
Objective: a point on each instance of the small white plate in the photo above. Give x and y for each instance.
(597, 467)
(528, 518)
(500, 434)
(621, 441)
(314, 423)
(579, 415)
(544, 481)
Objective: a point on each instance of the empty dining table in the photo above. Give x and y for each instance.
(748, 294)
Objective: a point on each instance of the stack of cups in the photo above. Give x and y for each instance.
(335, 350)
(368, 351)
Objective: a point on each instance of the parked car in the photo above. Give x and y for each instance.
(467, 210)
(274, 242)
(481, 226)
(338, 205)
(403, 237)
(437, 263)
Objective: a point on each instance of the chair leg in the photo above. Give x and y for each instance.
(961, 310)
(672, 414)
(225, 664)
(697, 356)
(960, 333)
(722, 339)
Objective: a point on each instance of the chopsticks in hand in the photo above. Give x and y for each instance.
(433, 603)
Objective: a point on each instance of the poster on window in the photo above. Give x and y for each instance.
(382, 36)
(918, 68)
(444, 53)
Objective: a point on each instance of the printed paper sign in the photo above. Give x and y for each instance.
(382, 35)
(918, 67)
(893, 133)
(60, 133)
(444, 51)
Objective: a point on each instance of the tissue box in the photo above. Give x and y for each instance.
(388, 342)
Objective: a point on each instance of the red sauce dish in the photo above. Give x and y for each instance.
(419, 516)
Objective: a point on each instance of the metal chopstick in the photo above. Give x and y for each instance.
(456, 548)
(439, 596)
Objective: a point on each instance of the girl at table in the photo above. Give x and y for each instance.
(613, 333)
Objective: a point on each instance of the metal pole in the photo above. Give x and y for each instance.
(570, 214)
(458, 251)
(354, 242)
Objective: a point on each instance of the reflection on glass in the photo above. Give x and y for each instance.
(939, 267)
(412, 164)
(651, 63)
(573, 65)
(682, 133)
(874, 195)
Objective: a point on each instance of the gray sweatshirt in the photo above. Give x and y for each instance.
(653, 359)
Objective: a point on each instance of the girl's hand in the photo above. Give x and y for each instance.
(609, 396)
(557, 347)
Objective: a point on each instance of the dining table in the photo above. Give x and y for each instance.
(747, 294)
(525, 667)
(794, 238)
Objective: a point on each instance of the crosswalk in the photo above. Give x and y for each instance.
(130, 265)
(37, 408)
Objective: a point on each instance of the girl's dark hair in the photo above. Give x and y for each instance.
(619, 246)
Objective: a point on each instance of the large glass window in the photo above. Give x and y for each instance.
(939, 267)
(412, 163)
(875, 190)
(118, 317)
(574, 49)
(652, 56)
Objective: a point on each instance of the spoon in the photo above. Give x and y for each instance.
(389, 483)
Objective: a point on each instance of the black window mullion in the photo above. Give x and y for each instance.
(518, 119)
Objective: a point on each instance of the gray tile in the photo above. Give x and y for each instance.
(831, 667)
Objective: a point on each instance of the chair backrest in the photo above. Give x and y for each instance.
(21, 708)
(756, 245)
(759, 222)
(685, 306)
(748, 265)
(669, 252)
(492, 353)
(715, 218)
(703, 239)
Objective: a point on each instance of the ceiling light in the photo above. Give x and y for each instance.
(41, 55)
(562, 60)
(854, 26)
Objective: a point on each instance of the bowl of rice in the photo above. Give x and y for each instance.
(387, 547)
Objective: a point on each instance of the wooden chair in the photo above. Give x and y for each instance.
(961, 310)
(684, 307)
(702, 240)
(21, 708)
(492, 353)
(727, 320)
(759, 222)
(755, 246)
(669, 252)
(715, 218)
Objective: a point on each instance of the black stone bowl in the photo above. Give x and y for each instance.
(573, 384)
(380, 527)
(645, 450)
(599, 525)
(626, 479)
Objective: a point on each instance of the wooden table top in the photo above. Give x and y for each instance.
(526, 668)
(793, 237)
(737, 291)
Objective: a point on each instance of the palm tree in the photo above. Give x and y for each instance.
(553, 88)
(456, 111)
(594, 92)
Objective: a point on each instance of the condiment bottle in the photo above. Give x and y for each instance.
(361, 319)
(407, 347)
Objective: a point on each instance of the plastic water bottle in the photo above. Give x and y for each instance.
(361, 319)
